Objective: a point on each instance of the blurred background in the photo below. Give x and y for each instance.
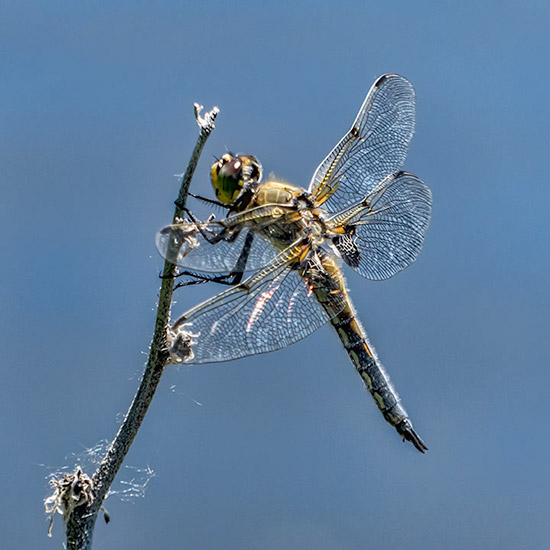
(285, 450)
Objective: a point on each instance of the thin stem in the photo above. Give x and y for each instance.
(81, 521)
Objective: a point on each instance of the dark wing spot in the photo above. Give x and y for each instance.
(382, 79)
(348, 249)
(354, 131)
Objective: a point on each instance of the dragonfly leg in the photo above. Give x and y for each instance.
(231, 279)
(200, 198)
(211, 238)
(202, 278)
(205, 199)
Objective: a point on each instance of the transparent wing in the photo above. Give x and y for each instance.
(385, 232)
(242, 250)
(375, 146)
(270, 310)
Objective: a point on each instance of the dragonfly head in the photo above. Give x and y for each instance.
(230, 173)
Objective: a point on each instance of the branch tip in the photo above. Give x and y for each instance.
(206, 122)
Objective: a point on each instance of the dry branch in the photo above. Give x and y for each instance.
(81, 513)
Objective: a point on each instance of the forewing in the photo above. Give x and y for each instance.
(375, 146)
(270, 310)
(385, 233)
(184, 245)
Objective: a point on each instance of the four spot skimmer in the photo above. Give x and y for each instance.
(359, 208)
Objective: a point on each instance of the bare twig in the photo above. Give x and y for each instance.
(83, 513)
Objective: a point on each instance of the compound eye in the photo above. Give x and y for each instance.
(219, 164)
(227, 178)
(232, 169)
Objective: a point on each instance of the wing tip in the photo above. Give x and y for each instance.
(382, 78)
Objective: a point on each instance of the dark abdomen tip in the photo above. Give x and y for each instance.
(406, 430)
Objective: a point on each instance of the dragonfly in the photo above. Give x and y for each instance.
(281, 247)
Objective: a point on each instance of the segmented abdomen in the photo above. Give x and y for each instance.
(362, 354)
(369, 367)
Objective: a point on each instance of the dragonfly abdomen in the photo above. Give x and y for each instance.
(329, 287)
(374, 375)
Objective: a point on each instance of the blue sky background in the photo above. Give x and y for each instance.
(286, 450)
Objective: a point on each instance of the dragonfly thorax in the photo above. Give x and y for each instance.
(279, 192)
(290, 213)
